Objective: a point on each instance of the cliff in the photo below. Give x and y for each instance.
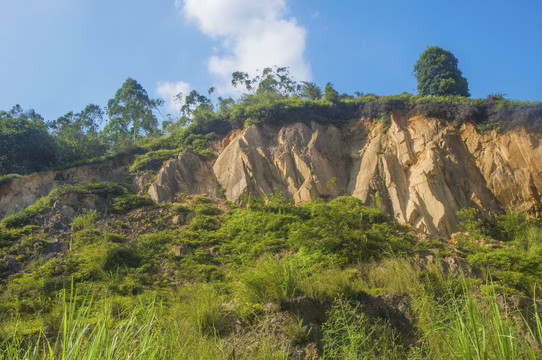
(421, 170)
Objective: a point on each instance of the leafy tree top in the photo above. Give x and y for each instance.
(437, 73)
(131, 114)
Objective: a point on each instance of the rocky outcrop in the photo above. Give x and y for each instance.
(188, 174)
(22, 192)
(298, 160)
(510, 163)
(420, 170)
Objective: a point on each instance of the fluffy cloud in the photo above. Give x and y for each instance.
(254, 34)
(167, 91)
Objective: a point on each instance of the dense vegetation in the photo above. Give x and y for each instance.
(208, 279)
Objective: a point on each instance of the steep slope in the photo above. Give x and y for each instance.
(22, 192)
(421, 170)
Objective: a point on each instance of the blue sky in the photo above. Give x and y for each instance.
(60, 55)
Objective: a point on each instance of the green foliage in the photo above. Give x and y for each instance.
(470, 221)
(152, 160)
(273, 81)
(83, 220)
(330, 94)
(203, 308)
(156, 245)
(349, 335)
(78, 137)
(121, 256)
(512, 267)
(272, 279)
(9, 236)
(512, 225)
(131, 115)
(128, 202)
(207, 209)
(25, 144)
(310, 91)
(437, 74)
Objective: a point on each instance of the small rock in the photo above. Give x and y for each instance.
(181, 249)
(68, 211)
(177, 219)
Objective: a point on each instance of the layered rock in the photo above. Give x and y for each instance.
(188, 174)
(22, 192)
(421, 170)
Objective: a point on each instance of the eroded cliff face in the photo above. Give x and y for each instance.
(23, 192)
(421, 170)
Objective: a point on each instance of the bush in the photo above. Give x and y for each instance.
(271, 279)
(128, 202)
(152, 160)
(120, 256)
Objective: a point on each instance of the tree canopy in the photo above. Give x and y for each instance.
(25, 144)
(437, 73)
(131, 115)
(78, 135)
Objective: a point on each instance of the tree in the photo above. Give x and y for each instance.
(25, 144)
(437, 73)
(310, 91)
(78, 136)
(131, 115)
(275, 81)
(330, 94)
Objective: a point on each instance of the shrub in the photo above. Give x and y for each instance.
(152, 160)
(83, 220)
(271, 279)
(120, 256)
(128, 202)
(206, 209)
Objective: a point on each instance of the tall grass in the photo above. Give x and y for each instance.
(145, 333)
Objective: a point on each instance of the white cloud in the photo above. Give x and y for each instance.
(168, 90)
(255, 34)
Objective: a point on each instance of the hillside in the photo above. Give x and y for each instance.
(356, 229)
(420, 169)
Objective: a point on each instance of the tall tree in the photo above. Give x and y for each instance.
(273, 81)
(437, 73)
(78, 136)
(131, 115)
(310, 91)
(25, 144)
(330, 94)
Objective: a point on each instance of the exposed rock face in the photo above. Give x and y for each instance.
(510, 163)
(422, 170)
(22, 192)
(297, 160)
(186, 174)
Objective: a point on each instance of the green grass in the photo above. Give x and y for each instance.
(238, 268)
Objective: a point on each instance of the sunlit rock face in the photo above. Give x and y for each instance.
(421, 170)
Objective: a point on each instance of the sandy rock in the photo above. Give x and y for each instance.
(22, 192)
(189, 174)
(422, 169)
